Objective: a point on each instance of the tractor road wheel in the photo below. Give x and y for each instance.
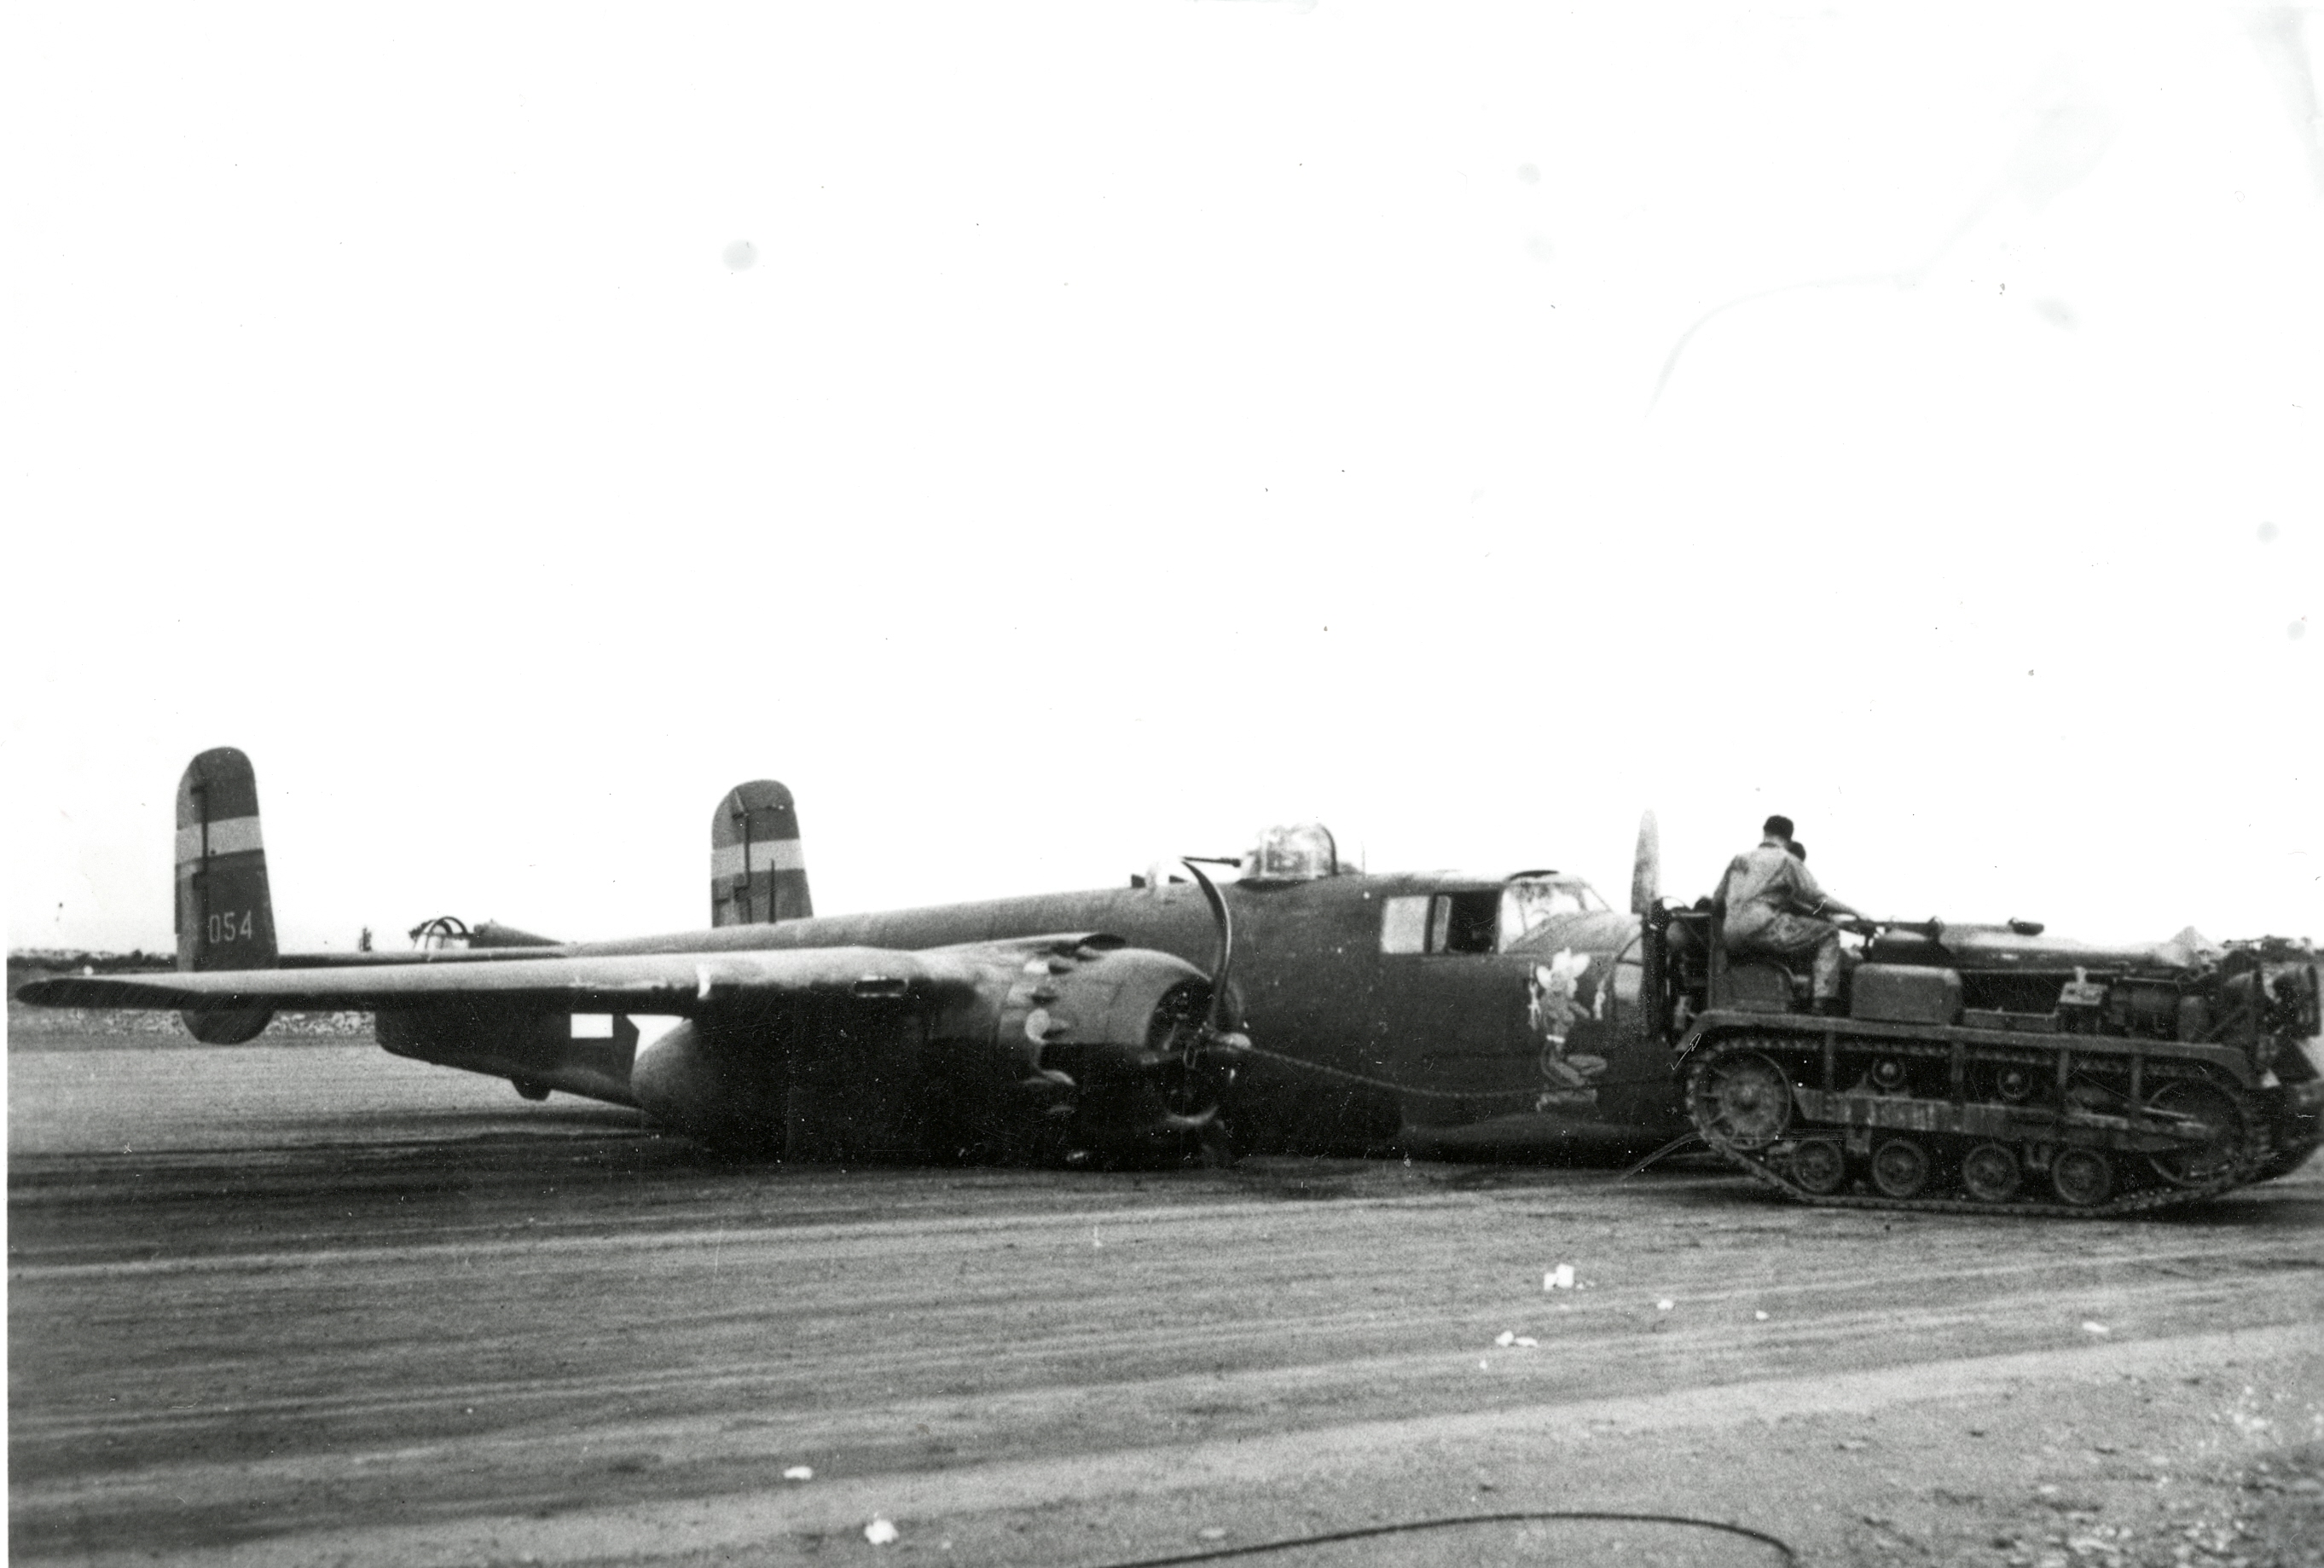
(1900, 1168)
(2081, 1177)
(1990, 1173)
(1819, 1167)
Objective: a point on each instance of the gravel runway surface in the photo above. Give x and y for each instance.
(311, 1303)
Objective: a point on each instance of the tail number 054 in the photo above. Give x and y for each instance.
(231, 927)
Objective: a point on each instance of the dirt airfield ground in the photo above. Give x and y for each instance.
(304, 1303)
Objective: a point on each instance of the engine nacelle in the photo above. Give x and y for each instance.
(226, 1026)
(1051, 1045)
(1100, 1033)
(729, 1088)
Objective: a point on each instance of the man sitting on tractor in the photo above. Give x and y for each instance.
(1770, 904)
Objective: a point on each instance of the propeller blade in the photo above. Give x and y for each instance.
(1224, 964)
(1647, 867)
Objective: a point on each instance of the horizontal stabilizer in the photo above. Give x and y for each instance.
(493, 934)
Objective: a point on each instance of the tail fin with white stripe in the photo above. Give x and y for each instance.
(757, 873)
(224, 914)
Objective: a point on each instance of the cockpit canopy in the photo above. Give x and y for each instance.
(1534, 898)
(1299, 852)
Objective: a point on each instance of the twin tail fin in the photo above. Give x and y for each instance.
(758, 874)
(224, 914)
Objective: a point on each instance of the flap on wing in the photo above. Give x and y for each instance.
(659, 982)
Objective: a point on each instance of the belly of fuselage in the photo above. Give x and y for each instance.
(1535, 1054)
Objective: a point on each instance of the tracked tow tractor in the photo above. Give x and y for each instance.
(1985, 1068)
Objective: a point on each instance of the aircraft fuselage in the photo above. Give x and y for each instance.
(1370, 1030)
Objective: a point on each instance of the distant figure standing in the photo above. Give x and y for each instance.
(1771, 903)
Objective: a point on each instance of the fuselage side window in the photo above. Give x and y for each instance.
(1440, 923)
(1464, 922)
(1403, 924)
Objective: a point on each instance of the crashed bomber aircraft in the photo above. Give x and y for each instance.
(1306, 1007)
(1427, 1012)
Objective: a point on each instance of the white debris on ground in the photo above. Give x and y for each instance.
(1558, 1278)
(1505, 1339)
(1664, 1304)
(799, 1472)
(880, 1532)
(2096, 1328)
(1759, 1318)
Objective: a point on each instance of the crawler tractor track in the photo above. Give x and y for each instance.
(1873, 1146)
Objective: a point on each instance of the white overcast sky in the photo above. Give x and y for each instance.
(1138, 422)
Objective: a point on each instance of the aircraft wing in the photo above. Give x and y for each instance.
(683, 983)
(1015, 1044)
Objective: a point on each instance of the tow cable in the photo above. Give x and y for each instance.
(1413, 1527)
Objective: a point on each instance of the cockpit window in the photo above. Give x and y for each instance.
(1485, 920)
(1438, 923)
(1528, 903)
(1297, 854)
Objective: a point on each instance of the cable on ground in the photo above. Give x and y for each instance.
(1412, 1526)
